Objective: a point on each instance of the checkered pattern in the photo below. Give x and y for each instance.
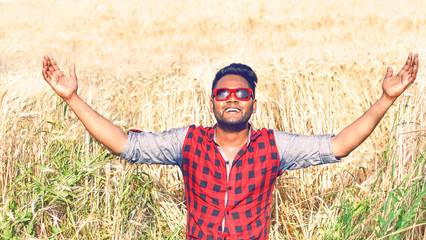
(250, 186)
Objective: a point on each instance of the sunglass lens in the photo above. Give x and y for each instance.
(222, 94)
(243, 94)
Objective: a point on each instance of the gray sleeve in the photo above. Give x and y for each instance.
(300, 151)
(155, 148)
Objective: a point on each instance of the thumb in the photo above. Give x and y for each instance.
(389, 72)
(72, 71)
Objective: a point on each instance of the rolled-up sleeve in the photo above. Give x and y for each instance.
(155, 148)
(300, 151)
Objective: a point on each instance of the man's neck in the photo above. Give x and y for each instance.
(231, 137)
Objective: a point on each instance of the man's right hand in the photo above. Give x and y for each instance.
(66, 87)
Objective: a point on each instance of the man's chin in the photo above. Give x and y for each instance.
(233, 125)
(233, 121)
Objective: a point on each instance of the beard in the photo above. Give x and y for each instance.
(233, 123)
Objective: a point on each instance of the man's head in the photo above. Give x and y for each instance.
(233, 99)
(237, 69)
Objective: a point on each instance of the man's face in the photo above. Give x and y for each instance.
(232, 112)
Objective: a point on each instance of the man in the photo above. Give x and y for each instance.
(230, 169)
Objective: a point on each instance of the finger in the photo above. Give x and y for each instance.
(72, 71)
(389, 72)
(415, 66)
(49, 68)
(46, 69)
(48, 65)
(54, 65)
(43, 71)
(44, 65)
(407, 65)
(406, 78)
(46, 61)
(51, 71)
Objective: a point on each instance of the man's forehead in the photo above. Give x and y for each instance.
(232, 80)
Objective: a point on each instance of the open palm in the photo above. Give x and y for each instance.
(394, 85)
(64, 86)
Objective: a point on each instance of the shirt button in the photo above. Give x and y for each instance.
(229, 188)
(227, 212)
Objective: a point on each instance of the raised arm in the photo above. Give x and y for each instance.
(393, 86)
(66, 87)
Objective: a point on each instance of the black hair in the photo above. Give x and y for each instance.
(237, 69)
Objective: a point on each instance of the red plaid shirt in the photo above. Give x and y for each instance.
(251, 182)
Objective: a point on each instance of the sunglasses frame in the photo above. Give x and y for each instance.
(233, 91)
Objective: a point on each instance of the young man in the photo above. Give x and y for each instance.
(230, 169)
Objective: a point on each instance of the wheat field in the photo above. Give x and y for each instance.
(150, 64)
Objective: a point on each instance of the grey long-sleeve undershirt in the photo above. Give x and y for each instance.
(295, 151)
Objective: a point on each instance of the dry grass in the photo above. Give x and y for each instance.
(150, 65)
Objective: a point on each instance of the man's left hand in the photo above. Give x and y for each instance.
(394, 85)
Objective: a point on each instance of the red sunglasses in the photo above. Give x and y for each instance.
(223, 94)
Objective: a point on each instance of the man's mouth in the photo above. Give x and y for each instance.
(231, 109)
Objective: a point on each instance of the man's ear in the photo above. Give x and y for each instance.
(211, 105)
(254, 105)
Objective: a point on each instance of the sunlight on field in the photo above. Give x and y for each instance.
(150, 64)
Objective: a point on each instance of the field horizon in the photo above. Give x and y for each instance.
(150, 65)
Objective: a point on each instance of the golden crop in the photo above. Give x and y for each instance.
(150, 64)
